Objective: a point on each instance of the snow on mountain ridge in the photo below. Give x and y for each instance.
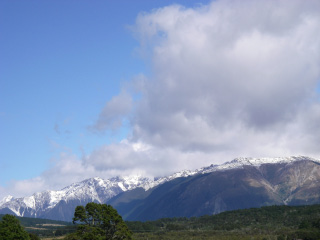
(238, 163)
(260, 161)
(6, 199)
(100, 190)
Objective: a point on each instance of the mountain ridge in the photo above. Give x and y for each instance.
(48, 203)
(295, 182)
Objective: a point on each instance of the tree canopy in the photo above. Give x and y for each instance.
(99, 221)
(10, 229)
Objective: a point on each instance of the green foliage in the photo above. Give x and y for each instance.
(33, 236)
(10, 228)
(305, 224)
(266, 223)
(316, 223)
(99, 221)
(45, 227)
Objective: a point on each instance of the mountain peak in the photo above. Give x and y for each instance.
(6, 199)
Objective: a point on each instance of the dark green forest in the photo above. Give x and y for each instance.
(273, 222)
(45, 227)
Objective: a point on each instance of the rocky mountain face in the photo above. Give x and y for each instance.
(241, 183)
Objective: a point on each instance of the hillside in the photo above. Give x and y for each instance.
(273, 222)
(264, 184)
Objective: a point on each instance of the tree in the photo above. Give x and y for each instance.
(10, 229)
(99, 221)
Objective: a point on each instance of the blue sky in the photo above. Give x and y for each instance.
(61, 61)
(71, 71)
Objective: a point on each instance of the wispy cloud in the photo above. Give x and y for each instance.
(112, 115)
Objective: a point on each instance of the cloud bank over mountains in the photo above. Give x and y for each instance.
(228, 79)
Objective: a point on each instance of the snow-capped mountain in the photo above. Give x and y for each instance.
(93, 189)
(241, 183)
(60, 204)
(236, 163)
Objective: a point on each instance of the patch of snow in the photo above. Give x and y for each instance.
(16, 212)
(6, 199)
(29, 201)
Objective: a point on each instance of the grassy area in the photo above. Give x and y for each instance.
(199, 235)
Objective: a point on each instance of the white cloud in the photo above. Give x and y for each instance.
(112, 115)
(229, 74)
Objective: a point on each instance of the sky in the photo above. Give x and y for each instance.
(108, 88)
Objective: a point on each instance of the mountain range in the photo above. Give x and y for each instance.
(241, 183)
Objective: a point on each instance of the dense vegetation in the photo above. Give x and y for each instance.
(99, 222)
(11, 229)
(266, 223)
(274, 222)
(45, 227)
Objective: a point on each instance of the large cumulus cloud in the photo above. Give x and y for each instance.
(233, 76)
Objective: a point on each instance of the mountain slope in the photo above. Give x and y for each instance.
(250, 184)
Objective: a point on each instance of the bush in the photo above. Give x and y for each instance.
(10, 229)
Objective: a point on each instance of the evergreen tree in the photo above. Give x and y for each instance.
(10, 229)
(99, 221)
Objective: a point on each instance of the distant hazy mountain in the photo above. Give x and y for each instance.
(241, 183)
